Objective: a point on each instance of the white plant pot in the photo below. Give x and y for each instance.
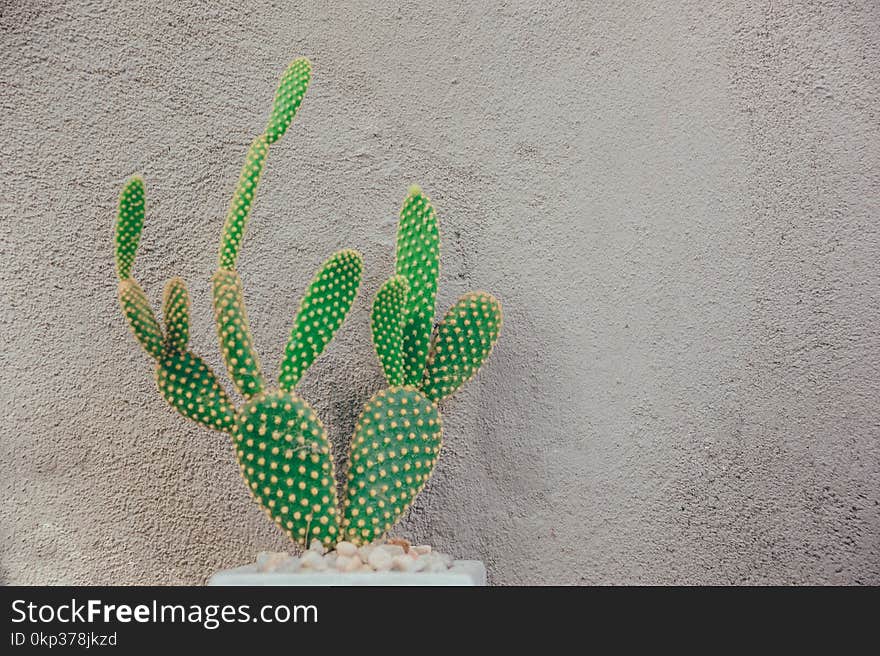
(462, 573)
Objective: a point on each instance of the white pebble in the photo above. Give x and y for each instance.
(379, 560)
(346, 548)
(348, 563)
(392, 549)
(268, 561)
(313, 560)
(420, 549)
(436, 561)
(403, 563)
(317, 547)
(289, 566)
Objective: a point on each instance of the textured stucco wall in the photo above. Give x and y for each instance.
(678, 206)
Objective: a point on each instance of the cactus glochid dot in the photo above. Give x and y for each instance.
(283, 452)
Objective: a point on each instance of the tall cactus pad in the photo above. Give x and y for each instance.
(463, 341)
(286, 462)
(129, 224)
(141, 319)
(234, 334)
(418, 259)
(387, 319)
(322, 311)
(175, 313)
(291, 90)
(189, 385)
(395, 446)
(242, 199)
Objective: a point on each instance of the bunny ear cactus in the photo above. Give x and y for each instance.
(388, 319)
(321, 313)
(463, 341)
(280, 443)
(399, 434)
(418, 261)
(186, 382)
(396, 443)
(282, 448)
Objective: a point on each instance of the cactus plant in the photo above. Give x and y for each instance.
(281, 446)
(399, 434)
(283, 452)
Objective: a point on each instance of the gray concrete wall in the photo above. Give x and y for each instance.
(678, 205)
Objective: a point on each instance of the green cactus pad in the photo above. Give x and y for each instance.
(395, 446)
(141, 319)
(242, 199)
(287, 464)
(239, 355)
(387, 319)
(322, 311)
(175, 314)
(129, 224)
(291, 90)
(464, 340)
(418, 259)
(189, 385)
